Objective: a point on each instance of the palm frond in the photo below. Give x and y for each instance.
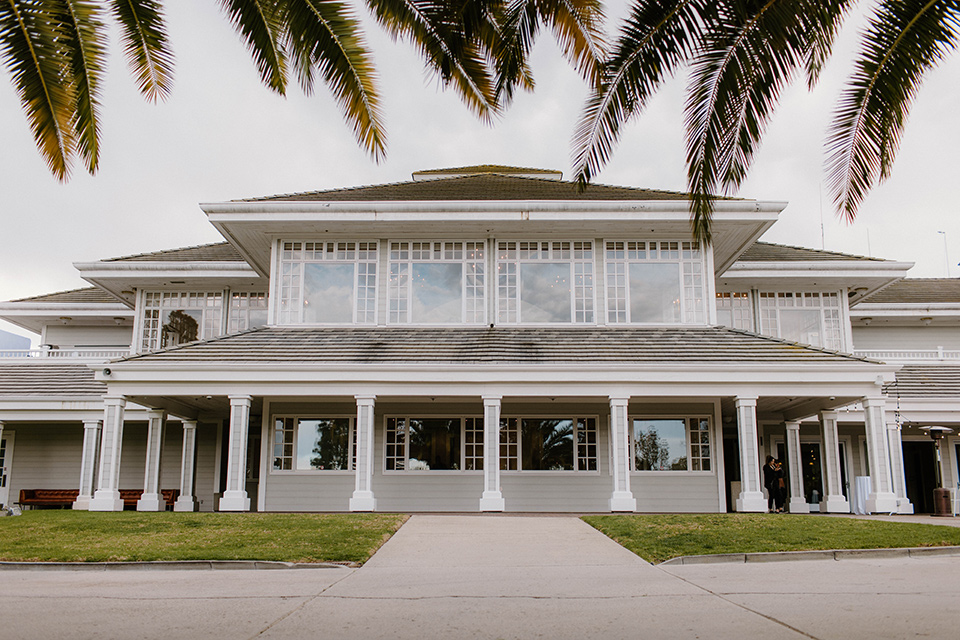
(519, 26)
(326, 35)
(823, 33)
(146, 45)
(85, 47)
(30, 50)
(578, 27)
(902, 42)
(456, 55)
(259, 23)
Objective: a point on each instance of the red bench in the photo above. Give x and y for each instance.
(66, 497)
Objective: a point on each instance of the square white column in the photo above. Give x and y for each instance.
(186, 501)
(622, 497)
(363, 499)
(834, 501)
(881, 498)
(895, 445)
(492, 498)
(751, 496)
(107, 495)
(151, 500)
(798, 502)
(235, 497)
(88, 463)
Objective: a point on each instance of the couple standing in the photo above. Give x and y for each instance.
(775, 484)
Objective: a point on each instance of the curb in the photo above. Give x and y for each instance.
(831, 554)
(173, 565)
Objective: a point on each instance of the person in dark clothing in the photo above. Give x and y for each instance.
(779, 486)
(770, 482)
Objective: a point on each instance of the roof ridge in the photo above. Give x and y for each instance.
(56, 293)
(826, 251)
(163, 251)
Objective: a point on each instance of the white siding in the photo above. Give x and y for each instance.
(670, 492)
(45, 456)
(915, 337)
(74, 336)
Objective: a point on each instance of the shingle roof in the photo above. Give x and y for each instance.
(216, 252)
(918, 291)
(496, 345)
(770, 252)
(925, 381)
(489, 186)
(92, 295)
(42, 379)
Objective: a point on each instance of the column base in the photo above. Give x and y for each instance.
(904, 506)
(151, 502)
(106, 500)
(235, 501)
(798, 505)
(623, 501)
(185, 503)
(835, 504)
(751, 502)
(882, 503)
(363, 501)
(492, 501)
(82, 503)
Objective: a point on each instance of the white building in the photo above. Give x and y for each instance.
(484, 338)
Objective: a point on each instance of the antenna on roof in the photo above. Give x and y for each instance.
(822, 243)
(946, 253)
(869, 251)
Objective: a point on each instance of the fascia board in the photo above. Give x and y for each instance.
(825, 269)
(900, 309)
(58, 308)
(208, 269)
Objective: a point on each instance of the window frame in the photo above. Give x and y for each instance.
(352, 463)
(211, 318)
(291, 278)
(399, 296)
(509, 258)
(518, 445)
(238, 311)
(768, 311)
(740, 306)
(406, 444)
(687, 419)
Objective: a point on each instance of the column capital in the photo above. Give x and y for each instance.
(619, 401)
(829, 415)
(240, 400)
(365, 399)
(745, 401)
(189, 424)
(492, 399)
(792, 425)
(87, 424)
(117, 401)
(156, 413)
(871, 402)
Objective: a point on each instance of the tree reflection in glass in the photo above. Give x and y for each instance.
(546, 444)
(434, 444)
(324, 444)
(660, 445)
(181, 327)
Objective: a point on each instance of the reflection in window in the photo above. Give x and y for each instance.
(807, 317)
(545, 282)
(670, 444)
(735, 310)
(545, 292)
(433, 444)
(437, 282)
(173, 318)
(313, 444)
(328, 293)
(654, 292)
(655, 282)
(247, 310)
(328, 282)
(548, 444)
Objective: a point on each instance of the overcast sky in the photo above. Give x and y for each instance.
(223, 136)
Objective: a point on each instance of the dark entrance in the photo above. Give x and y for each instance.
(919, 460)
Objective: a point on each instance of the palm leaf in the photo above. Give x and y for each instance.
(324, 34)
(519, 27)
(146, 45)
(258, 22)
(30, 49)
(902, 42)
(578, 27)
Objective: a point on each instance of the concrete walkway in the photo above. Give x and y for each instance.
(495, 577)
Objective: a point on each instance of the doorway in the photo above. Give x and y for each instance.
(6, 459)
(919, 470)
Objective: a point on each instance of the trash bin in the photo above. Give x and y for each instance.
(942, 504)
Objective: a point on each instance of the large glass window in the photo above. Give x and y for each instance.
(655, 282)
(434, 444)
(545, 282)
(735, 310)
(670, 444)
(313, 444)
(172, 318)
(247, 310)
(437, 282)
(548, 444)
(328, 282)
(808, 317)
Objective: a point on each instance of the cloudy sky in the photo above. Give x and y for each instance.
(223, 136)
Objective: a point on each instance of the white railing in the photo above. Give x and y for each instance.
(64, 354)
(912, 355)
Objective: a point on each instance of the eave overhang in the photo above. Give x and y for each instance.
(123, 278)
(33, 316)
(862, 276)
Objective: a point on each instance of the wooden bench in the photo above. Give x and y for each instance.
(66, 497)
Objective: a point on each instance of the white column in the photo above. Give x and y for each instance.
(895, 445)
(107, 496)
(881, 498)
(151, 500)
(798, 502)
(492, 498)
(622, 498)
(235, 496)
(834, 502)
(751, 496)
(186, 501)
(88, 463)
(363, 499)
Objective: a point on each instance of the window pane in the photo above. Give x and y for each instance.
(654, 292)
(659, 445)
(328, 293)
(546, 445)
(801, 325)
(323, 443)
(434, 444)
(437, 292)
(180, 326)
(545, 292)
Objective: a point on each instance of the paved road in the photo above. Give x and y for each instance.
(495, 577)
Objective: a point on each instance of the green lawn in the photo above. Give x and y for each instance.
(657, 538)
(81, 536)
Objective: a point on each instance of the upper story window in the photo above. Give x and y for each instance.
(247, 310)
(809, 317)
(328, 282)
(735, 310)
(172, 318)
(655, 282)
(545, 282)
(437, 282)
